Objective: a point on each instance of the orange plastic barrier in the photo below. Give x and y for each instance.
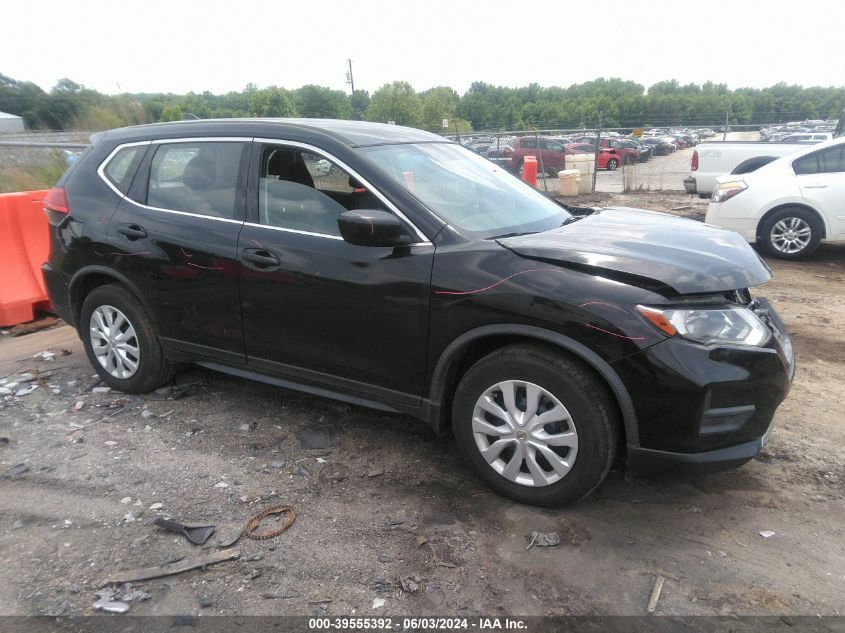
(529, 170)
(24, 246)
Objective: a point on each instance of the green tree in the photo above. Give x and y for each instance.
(271, 102)
(395, 102)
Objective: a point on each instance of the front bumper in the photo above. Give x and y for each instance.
(705, 408)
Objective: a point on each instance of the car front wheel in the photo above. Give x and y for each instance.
(535, 425)
(790, 234)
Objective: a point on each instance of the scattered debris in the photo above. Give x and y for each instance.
(410, 584)
(207, 601)
(229, 539)
(33, 326)
(148, 573)
(378, 603)
(196, 534)
(136, 596)
(655, 594)
(252, 524)
(310, 438)
(543, 539)
(111, 606)
(17, 470)
(766, 533)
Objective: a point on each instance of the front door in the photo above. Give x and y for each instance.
(316, 308)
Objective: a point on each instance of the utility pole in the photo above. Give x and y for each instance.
(349, 79)
(598, 149)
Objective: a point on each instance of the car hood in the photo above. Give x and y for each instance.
(650, 249)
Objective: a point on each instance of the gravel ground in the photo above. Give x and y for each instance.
(388, 512)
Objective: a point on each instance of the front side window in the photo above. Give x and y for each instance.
(306, 192)
(195, 177)
(470, 193)
(121, 168)
(827, 161)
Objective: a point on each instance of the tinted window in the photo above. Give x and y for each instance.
(121, 168)
(825, 162)
(305, 192)
(195, 177)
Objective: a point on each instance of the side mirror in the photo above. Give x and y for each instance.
(371, 227)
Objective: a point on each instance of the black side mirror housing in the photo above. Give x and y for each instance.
(371, 227)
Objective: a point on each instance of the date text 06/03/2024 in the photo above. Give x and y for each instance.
(417, 624)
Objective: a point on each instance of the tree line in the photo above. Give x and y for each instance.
(483, 107)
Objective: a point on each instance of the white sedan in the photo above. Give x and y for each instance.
(788, 206)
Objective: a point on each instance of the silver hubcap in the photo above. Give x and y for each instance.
(524, 433)
(114, 342)
(791, 235)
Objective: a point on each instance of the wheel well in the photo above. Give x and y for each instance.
(790, 205)
(84, 286)
(477, 349)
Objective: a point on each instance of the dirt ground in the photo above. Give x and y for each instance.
(387, 511)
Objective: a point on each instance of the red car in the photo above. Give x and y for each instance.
(607, 159)
(628, 154)
(553, 154)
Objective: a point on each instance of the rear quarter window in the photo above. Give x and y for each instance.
(121, 167)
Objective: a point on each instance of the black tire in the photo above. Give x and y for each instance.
(573, 385)
(612, 164)
(154, 370)
(802, 217)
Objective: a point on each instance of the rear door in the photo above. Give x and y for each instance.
(317, 309)
(175, 238)
(821, 176)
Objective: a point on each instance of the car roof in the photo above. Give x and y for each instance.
(351, 133)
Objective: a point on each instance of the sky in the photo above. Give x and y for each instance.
(180, 46)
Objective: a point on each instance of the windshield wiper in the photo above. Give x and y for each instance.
(504, 235)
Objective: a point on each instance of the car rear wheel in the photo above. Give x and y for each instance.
(121, 342)
(535, 425)
(612, 164)
(790, 234)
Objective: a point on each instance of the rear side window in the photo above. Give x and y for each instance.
(121, 168)
(195, 177)
(825, 162)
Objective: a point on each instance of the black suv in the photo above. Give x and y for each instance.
(388, 267)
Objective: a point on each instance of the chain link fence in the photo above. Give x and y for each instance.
(629, 160)
(656, 159)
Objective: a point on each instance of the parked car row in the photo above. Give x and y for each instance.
(811, 131)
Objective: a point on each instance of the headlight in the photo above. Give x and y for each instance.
(738, 326)
(727, 190)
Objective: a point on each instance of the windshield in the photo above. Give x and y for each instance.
(472, 194)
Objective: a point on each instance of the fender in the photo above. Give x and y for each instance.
(82, 273)
(617, 387)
